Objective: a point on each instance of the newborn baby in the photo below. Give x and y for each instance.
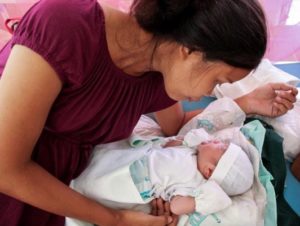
(197, 179)
(183, 176)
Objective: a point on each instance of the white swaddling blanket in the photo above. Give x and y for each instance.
(113, 158)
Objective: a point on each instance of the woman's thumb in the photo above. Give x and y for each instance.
(168, 219)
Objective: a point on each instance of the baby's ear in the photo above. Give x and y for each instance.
(208, 170)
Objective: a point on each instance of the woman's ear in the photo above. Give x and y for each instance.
(184, 52)
(193, 56)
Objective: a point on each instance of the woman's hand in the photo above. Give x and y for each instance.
(272, 100)
(133, 218)
(162, 208)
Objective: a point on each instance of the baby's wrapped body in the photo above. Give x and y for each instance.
(157, 173)
(163, 173)
(166, 173)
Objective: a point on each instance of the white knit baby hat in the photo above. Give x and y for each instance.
(234, 171)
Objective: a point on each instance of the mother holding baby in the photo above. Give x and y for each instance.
(76, 74)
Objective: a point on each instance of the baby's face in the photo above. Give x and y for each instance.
(209, 154)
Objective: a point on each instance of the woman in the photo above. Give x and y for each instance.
(75, 75)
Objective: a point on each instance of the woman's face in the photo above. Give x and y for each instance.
(188, 77)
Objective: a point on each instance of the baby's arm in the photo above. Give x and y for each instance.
(208, 198)
(218, 115)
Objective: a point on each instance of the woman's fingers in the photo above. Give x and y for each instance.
(285, 98)
(286, 103)
(160, 207)
(287, 95)
(167, 208)
(135, 218)
(167, 219)
(175, 220)
(160, 220)
(278, 110)
(284, 87)
(153, 207)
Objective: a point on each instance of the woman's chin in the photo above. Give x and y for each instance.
(176, 97)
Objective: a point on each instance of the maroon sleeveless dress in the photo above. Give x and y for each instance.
(98, 103)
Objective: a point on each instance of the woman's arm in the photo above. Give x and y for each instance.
(28, 89)
(173, 118)
(170, 119)
(272, 100)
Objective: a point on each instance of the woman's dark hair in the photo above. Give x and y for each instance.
(232, 31)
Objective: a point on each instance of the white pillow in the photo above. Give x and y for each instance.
(288, 127)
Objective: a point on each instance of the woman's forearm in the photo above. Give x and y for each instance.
(245, 104)
(191, 114)
(33, 185)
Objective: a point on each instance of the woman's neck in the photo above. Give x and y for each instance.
(130, 47)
